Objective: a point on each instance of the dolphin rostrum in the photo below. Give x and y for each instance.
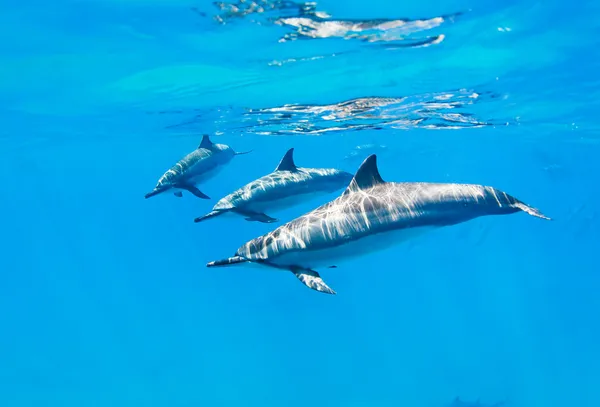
(199, 165)
(285, 187)
(370, 215)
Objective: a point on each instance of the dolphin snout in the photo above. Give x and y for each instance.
(155, 191)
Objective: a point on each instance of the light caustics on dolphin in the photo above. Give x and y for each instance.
(370, 215)
(285, 187)
(199, 165)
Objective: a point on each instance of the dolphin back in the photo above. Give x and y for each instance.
(280, 185)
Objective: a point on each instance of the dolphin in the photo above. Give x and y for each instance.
(285, 187)
(199, 165)
(370, 215)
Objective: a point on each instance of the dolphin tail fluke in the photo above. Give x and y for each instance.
(312, 279)
(227, 262)
(530, 210)
(208, 216)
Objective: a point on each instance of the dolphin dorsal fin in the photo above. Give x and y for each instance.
(206, 143)
(287, 162)
(366, 176)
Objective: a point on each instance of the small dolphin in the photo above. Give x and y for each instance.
(285, 187)
(199, 165)
(370, 215)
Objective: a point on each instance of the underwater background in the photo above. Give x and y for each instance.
(105, 297)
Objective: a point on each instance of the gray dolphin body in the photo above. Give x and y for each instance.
(199, 165)
(370, 215)
(285, 187)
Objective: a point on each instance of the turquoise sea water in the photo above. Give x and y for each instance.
(105, 298)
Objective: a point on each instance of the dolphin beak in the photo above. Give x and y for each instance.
(208, 215)
(227, 262)
(155, 191)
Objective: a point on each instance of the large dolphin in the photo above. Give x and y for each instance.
(285, 187)
(370, 215)
(199, 165)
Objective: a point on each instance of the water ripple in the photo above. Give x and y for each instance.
(445, 110)
(262, 11)
(305, 22)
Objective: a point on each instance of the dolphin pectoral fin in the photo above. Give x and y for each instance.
(193, 190)
(256, 216)
(311, 279)
(261, 217)
(208, 215)
(178, 194)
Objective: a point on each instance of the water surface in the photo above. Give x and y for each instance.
(106, 297)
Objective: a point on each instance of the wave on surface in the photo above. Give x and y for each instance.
(305, 22)
(426, 111)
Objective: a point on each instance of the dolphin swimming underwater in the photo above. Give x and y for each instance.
(370, 215)
(285, 187)
(199, 165)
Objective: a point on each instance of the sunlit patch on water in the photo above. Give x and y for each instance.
(305, 21)
(447, 110)
(363, 30)
(262, 11)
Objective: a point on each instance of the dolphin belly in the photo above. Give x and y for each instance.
(322, 257)
(199, 177)
(194, 178)
(278, 203)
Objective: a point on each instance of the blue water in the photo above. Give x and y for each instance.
(105, 298)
